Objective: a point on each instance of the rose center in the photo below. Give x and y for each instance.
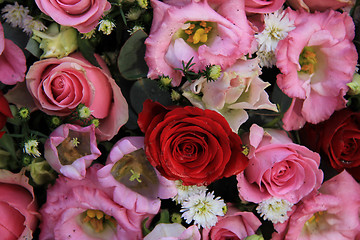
(308, 60)
(98, 220)
(57, 86)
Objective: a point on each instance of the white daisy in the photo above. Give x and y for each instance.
(184, 192)
(274, 209)
(30, 147)
(203, 209)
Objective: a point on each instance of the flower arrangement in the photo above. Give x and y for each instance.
(180, 119)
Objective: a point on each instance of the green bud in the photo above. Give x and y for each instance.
(41, 172)
(215, 72)
(24, 113)
(254, 237)
(176, 218)
(354, 85)
(175, 96)
(57, 41)
(143, 3)
(26, 159)
(95, 121)
(55, 121)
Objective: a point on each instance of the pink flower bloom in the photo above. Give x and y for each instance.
(277, 167)
(83, 209)
(332, 213)
(70, 149)
(134, 177)
(239, 88)
(19, 216)
(212, 39)
(234, 225)
(12, 61)
(83, 15)
(316, 59)
(173, 231)
(263, 6)
(58, 86)
(320, 5)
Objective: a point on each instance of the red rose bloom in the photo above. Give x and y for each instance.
(339, 139)
(191, 144)
(4, 112)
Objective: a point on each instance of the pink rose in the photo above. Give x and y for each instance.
(332, 213)
(234, 225)
(320, 5)
(83, 209)
(70, 149)
(18, 207)
(58, 86)
(83, 15)
(182, 31)
(143, 191)
(12, 61)
(277, 167)
(316, 59)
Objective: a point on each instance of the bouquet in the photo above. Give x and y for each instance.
(179, 119)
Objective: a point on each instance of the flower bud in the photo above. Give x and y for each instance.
(57, 41)
(41, 172)
(255, 237)
(354, 85)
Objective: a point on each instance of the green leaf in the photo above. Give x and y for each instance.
(131, 63)
(87, 50)
(147, 89)
(33, 47)
(280, 98)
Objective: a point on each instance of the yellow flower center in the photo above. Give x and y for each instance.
(196, 33)
(97, 219)
(308, 60)
(313, 223)
(75, 146)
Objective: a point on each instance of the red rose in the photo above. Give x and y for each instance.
(4, 112)
(339, 139)
(191, 144)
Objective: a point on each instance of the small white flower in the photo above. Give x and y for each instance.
(15, 14)
(203, 209)
(135, 28)
(30, 147)
(133, 14)
(184, 192)
(277, 26)
(274, 209)
(106, 26)
(84, 112)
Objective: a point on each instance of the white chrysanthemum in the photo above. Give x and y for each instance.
(106, 26)
(203, 209)
(30, 147)
(277, 26)
(15, 14)
(29, 24)
(274, 209)
(184, 192)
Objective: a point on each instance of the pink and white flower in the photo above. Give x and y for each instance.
(320, 5)
(277, 167)
(331, 213)
(316, 59)
(70, 149)
(83, 209)
(195, 30)
(173, 231)
(134, 183)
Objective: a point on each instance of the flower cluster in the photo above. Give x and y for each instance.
(180, 119)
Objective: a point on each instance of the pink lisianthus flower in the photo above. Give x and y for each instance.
(83, 209)
(134, 183)
(195, 30)
(19, 216)
(234, 225)
(173, 231)
(59, 86)
(332, 213)
(83, 15)
(70, 149)
(238, 88)
(263, 6)
(277, 167)
(316, 59)
(12, 61)
(320, 5)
